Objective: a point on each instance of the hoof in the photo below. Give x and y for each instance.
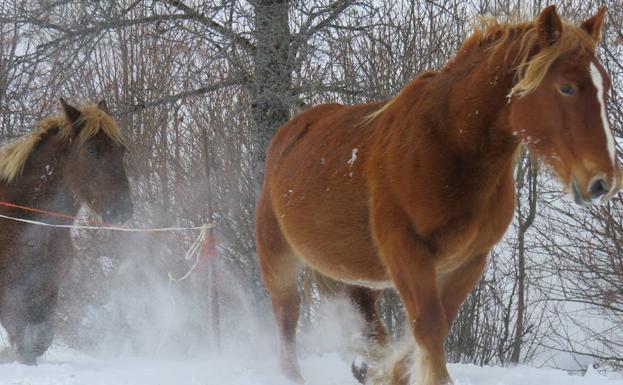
(7, 355)
(32, 361)
(297, 378)
(360, 370)
(292, 372)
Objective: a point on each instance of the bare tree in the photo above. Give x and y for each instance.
(200, 86)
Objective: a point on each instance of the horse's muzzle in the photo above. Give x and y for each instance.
(598, 188)
(119, 214)
(598, 191)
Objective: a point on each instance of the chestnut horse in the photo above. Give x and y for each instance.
(413, 193)
(66, 161)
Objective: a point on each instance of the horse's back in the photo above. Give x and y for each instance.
(315, 186)
(287, 136)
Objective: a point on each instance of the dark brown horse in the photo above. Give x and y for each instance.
(413, 193)
(66, 161)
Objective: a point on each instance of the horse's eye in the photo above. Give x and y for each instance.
(92, 151)
(567, 89)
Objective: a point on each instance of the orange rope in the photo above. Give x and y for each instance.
(208, 247)
(92, 223)
(40, 211)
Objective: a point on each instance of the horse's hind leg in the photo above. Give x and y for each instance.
(280, 268)
(365, 301)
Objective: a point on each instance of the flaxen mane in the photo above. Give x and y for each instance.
(531, 68)
(13, 155)
(520, 40)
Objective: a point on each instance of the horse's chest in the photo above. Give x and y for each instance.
(35, 254)
(477, 233)
(494, 222)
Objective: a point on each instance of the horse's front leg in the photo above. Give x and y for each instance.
(410, 263)
(457, 284)
(28, 318)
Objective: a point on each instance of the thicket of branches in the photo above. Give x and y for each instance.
(200, 86)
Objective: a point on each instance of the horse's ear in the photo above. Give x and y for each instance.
(549, 26)
(103, 106)
(71, 113)
(593, 25)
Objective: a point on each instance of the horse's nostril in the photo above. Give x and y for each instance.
(598, 188)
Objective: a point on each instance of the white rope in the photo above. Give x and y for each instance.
(193, 251)
(110, 228)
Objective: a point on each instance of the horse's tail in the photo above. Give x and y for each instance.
(317, 286)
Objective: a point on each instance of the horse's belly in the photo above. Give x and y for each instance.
(353, 260)
(332, 236)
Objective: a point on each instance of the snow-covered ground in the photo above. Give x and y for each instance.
(247, 356)
(62, 367)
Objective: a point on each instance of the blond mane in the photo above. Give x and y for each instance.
(520, 40)
(13, 155)
(531, 68)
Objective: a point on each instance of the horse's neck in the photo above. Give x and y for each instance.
(478, 117)
(460, 121)
(478, 101)
(42, 184)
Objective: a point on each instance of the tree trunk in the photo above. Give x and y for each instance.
(272, 88)
(525, 221)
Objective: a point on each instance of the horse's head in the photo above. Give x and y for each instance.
(95, 169)
(559, 106)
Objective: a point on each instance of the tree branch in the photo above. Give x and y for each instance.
(69, 33)
(308, 30)
(181, 95)
(212, 24)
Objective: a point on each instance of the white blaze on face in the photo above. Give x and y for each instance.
(598, 81)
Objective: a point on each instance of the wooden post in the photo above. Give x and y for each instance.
(211, 256)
